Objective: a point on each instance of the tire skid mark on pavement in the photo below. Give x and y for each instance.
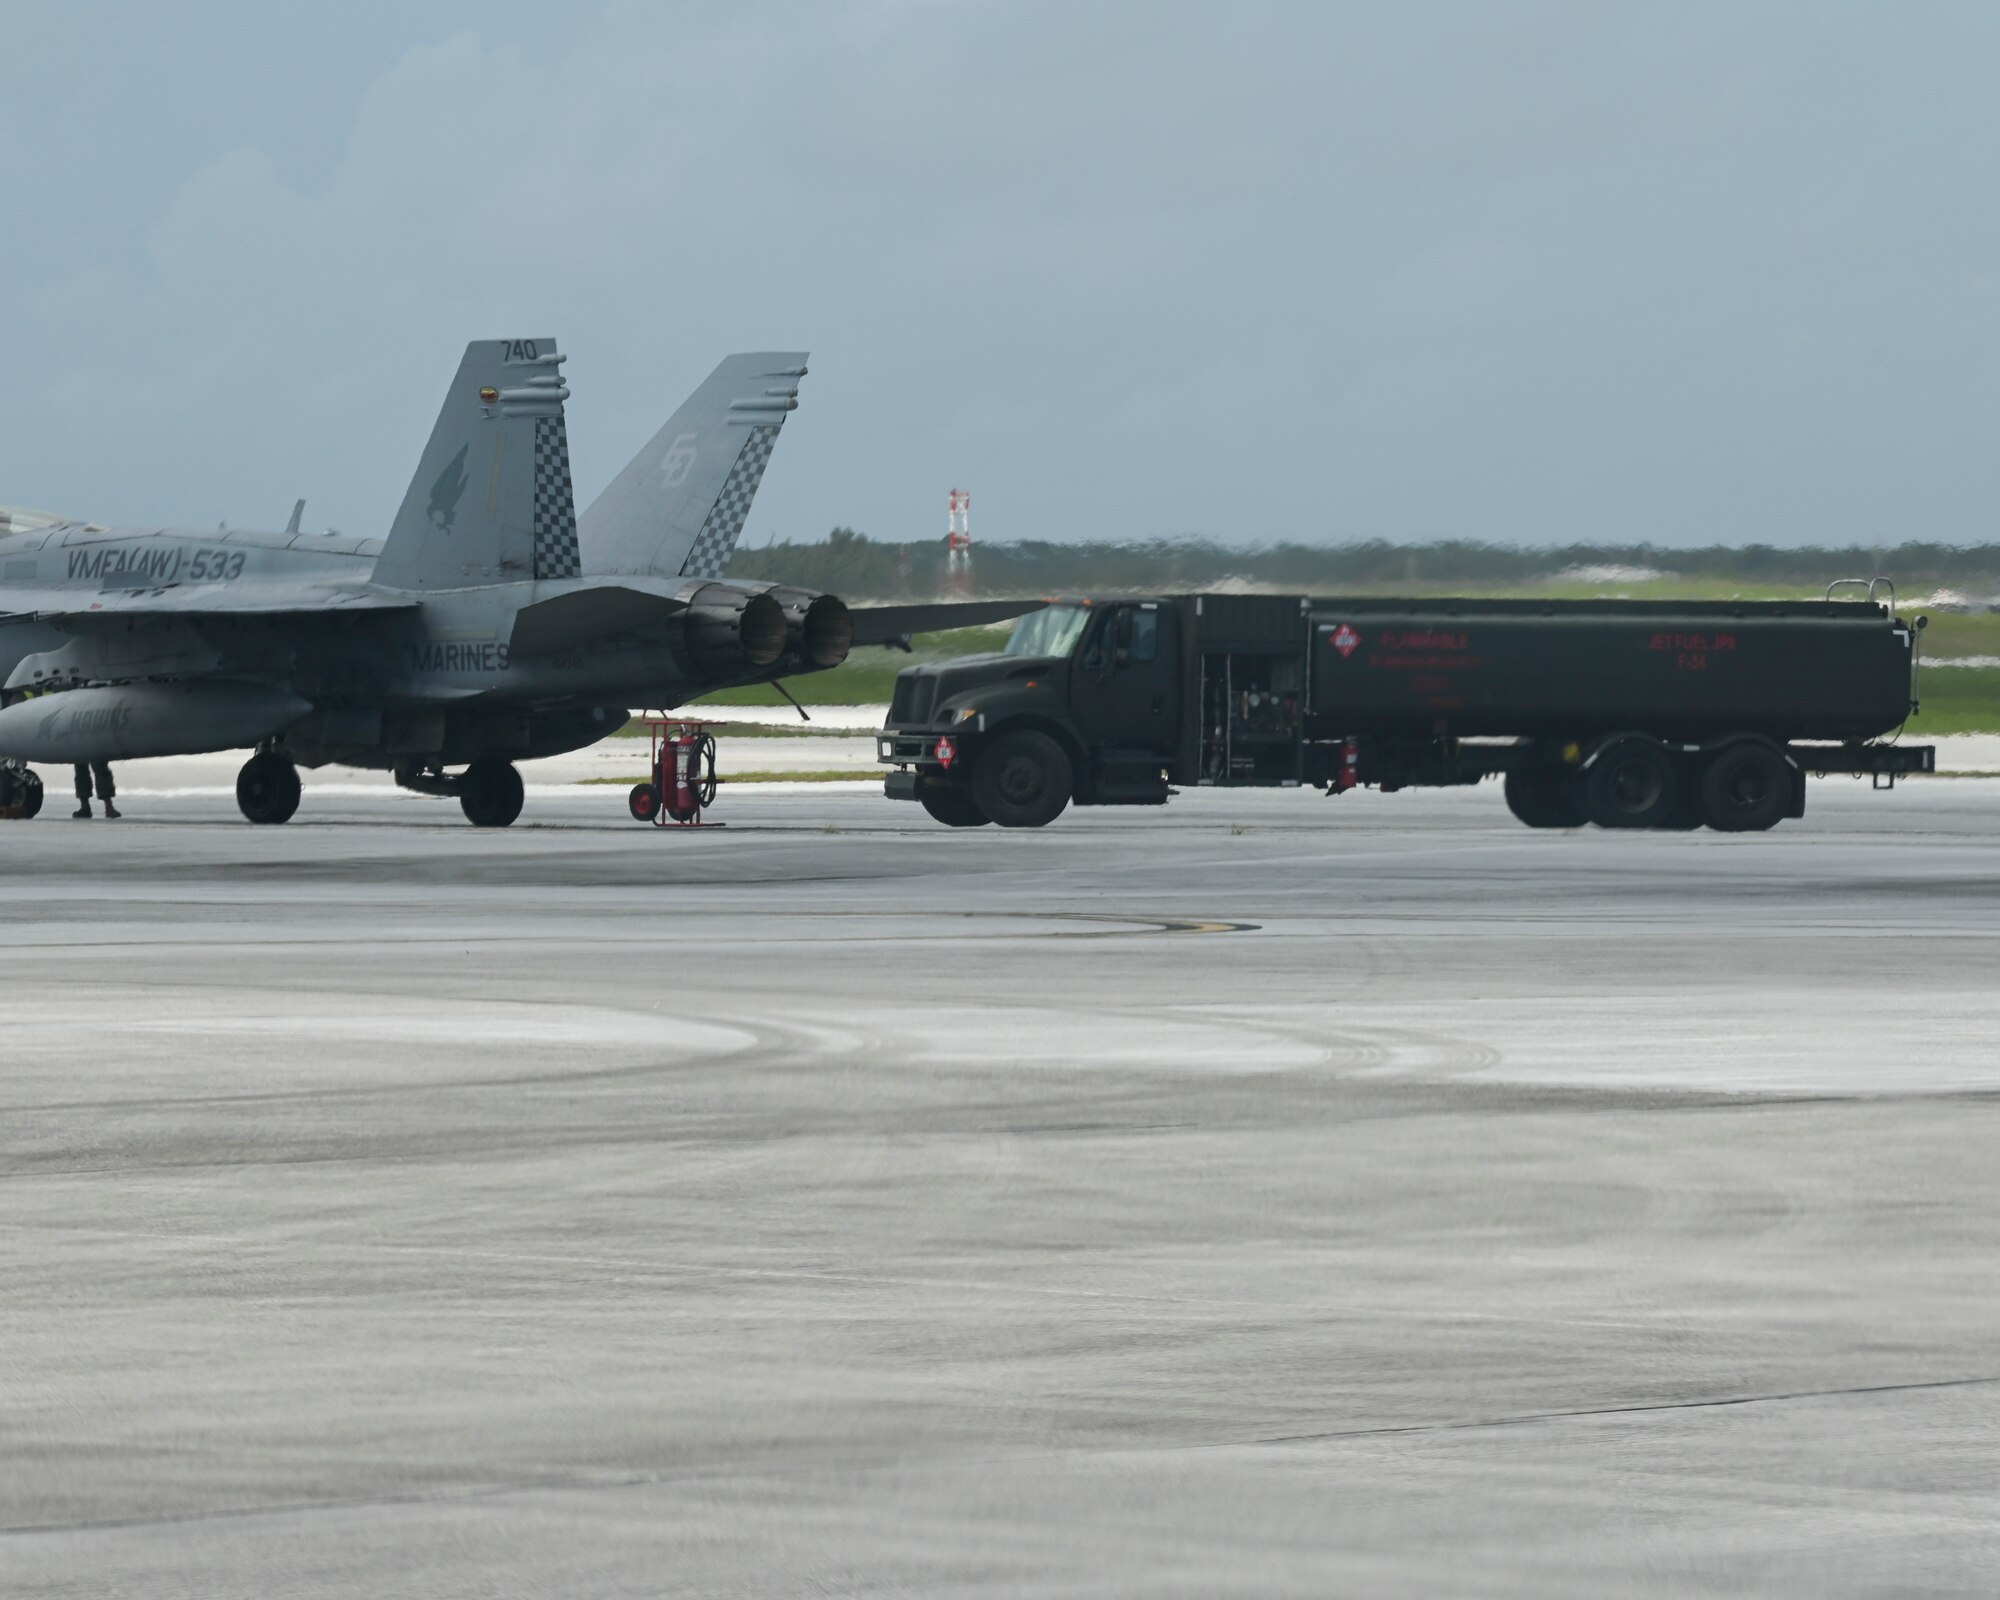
(740, 1472)
(1583, 1413)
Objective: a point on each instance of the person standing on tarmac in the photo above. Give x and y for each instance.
(105, 788)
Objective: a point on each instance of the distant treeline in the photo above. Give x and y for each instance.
(851, 563)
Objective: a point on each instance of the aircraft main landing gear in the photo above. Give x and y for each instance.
(267, 789)
(490, 793)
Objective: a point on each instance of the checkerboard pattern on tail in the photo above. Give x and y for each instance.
(717, 539)
(556, 552)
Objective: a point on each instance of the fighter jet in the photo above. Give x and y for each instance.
(492, 625)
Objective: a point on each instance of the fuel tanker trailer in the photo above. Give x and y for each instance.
(1621, 713)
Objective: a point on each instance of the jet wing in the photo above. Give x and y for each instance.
(195, 602)
(893, 625)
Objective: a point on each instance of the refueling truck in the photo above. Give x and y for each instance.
(1619, 713)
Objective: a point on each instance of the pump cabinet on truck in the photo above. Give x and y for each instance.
(1622, 713)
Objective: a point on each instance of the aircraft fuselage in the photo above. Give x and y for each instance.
(438, 680)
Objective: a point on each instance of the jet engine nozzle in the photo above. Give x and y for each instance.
(828, 631)
(728, 629)
(818, 630)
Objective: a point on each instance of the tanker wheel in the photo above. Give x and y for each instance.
(643, 802)
(1543, 799)
(1687, 815)
(1022, 779)
(1746, 789)
(953, 807)
(30, 799)
(489, 793)
(1632, 784)
(267, 789)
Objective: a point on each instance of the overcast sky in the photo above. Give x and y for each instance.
(1532, 272)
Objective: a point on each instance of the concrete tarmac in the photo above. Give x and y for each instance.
(1266, 1196)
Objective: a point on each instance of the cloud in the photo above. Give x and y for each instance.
(1302, 271)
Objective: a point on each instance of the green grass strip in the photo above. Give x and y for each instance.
(832, 775)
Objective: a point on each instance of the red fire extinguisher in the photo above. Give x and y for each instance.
(1350, 765)
(687, 774)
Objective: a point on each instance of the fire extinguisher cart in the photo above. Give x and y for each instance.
(683, 779)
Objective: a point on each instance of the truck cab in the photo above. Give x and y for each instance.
(1083, 706)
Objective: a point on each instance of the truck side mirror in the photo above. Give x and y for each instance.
(1122, 636)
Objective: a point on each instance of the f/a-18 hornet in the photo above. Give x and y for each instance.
(492, 624)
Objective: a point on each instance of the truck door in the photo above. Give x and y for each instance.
(1125, 688)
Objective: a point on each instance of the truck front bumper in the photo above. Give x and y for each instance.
(923, 760)
(908, 748)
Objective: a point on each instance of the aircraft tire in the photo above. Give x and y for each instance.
(1632, 784)
(20, 793)
(953, 807)
(268, 789)
(1543, 799)
(1022, 779)
(643, 802)
(1746, 789)
(490, 793)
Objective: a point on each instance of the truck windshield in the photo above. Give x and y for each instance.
(1052, 631)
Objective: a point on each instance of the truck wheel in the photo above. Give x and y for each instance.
(1632, 784)
(1543, 799)
(1022, 779)
(1687, 815)
(490, 793)
(953, 807)
(267, 789)
(1747, 789)
(643, 802)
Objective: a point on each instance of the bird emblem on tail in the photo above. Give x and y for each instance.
(446, 491)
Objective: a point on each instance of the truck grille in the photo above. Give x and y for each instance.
(911, 704)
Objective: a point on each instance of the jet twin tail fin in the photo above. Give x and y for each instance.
(679, 506)
(491, 501)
